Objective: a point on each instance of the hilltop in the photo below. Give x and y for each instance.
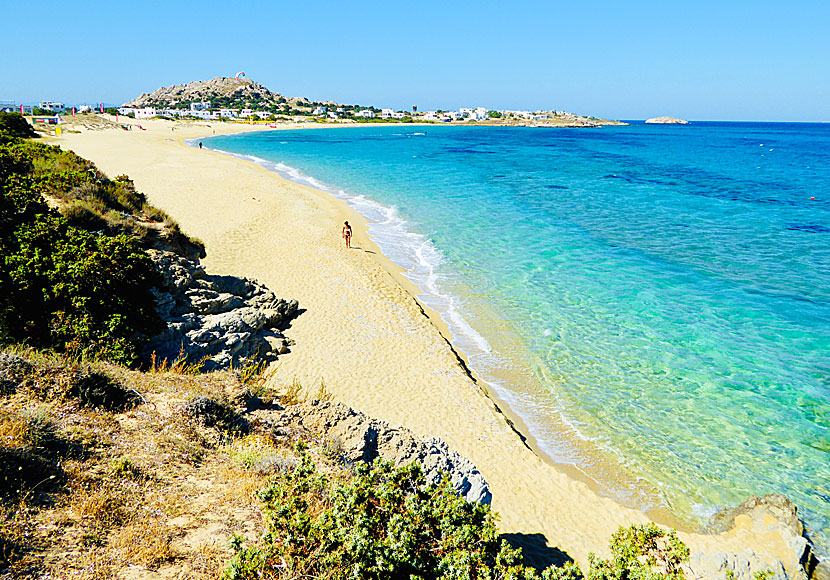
(220, 92)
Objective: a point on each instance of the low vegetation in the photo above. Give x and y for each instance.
(74, 276)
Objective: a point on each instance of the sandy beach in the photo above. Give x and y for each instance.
(361, 332)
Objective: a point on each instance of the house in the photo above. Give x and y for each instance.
(386, 113)
(480, 114)
(319, 111)
(126, 110)
(227, 113)
(332, 115)
(11, 108)
(365, 113)
(51, 106)
(202, 106)
(431, 116)
(145, 113)
(201, 114)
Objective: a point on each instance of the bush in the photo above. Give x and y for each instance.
(13, 125)
(384, 523)
(641, 552)
(63, 287)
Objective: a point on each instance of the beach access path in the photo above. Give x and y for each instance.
(360, 330)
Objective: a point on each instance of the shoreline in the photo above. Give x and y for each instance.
(520, 478)
(656, 508)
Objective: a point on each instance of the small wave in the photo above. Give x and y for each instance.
(411, 251)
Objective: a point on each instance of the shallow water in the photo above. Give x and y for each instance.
(665, 288)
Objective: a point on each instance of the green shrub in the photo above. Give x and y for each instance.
(383, 523)
(13, 126)
(60, 286)
(641, 553)
(387, 522)
(84, 215)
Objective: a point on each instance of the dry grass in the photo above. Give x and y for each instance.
(144, 542)
(208, 562)
(94, 564)
(323, 393)
(180, 366)
(293, 393)
(133, 483)
(103, 505)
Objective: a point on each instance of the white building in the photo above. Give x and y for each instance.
(431, 116)
(203, 106)
(332, 115)
(52, 106)
(126, 110)
(319, 111)
(386, 113)
(366, 113)
(227, 113)
(145, 113)
(12, 108)
(84, 109)
(480, 114)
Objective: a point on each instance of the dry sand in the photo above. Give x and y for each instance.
(360, 330)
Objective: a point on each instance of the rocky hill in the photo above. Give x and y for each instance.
(227, 92)
(666, 121)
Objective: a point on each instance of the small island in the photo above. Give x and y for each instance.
(666, 121)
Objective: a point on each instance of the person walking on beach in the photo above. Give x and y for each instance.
(347, 234)
(200, 144)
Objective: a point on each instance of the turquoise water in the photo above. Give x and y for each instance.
(651, 298)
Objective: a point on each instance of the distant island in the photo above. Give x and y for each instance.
(243, 100)
(666, 121)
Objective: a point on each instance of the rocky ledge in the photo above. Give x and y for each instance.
(222, 321)
(666, 121)
(775, 518)
(357, 437)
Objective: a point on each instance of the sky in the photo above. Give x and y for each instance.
(701, 60)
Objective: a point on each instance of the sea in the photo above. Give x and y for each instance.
(651, 301)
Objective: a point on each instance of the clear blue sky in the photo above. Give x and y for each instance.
(701, 60)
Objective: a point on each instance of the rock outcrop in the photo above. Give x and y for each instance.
(776, 517)
(666, 121)
(13, 369)
(360, 438)
(222, 320)
(220, 91)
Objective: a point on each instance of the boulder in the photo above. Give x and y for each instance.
(13, 369)
(773, 516)
(361, 438)
(223, 321)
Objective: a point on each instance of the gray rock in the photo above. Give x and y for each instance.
(765, 514)
(13, 369)
(223, 321)
(362, 438)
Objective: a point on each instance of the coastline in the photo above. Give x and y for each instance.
(355, 294)
(605, 475)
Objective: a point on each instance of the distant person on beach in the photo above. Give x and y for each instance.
(200, 144)
(347, 234)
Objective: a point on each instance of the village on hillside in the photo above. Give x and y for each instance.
(235, 99)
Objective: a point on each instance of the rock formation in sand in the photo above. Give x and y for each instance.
(223, 320)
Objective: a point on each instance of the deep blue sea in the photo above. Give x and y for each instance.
(652, 300)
